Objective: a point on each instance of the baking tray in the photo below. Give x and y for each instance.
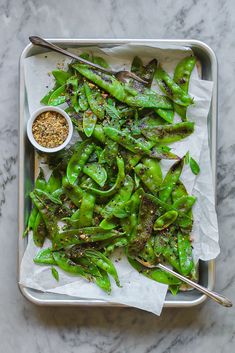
(208, 62)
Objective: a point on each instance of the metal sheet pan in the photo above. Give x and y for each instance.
(208, 62)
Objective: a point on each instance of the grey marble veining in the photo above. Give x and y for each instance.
(26, 328)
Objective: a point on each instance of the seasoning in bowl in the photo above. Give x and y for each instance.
(50, 129)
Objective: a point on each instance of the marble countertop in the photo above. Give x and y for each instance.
(25, 327)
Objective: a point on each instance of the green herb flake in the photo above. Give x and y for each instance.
(55, 273)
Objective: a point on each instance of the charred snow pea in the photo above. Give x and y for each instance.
(61, 76)
(98, 133)
(184, 204)
(182, 75)
(68, 265)
(96, 172)
(78, 160)
(185, 254)
(170, 180)
(117, 243)
(39, 231)
(165, 220)
(171, 89)
(72, 91)
(117, 203)
(150, 173)
(74, 192)
(54, 182)
(88, 122)
(146, 218)
(109, 153)
(82, 100)
(86, 210)
(95, 100)
(83, 236)
(147, 99)
(116, 185)
(165, 134)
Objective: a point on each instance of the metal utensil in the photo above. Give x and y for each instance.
(220, 299)
(120, 75)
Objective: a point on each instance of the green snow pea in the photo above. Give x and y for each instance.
(170, 180)
(88, 122)
(54, 182)
(168, 249)
(86, 210)
(31, 221)
(165, 220)
(98, 133)
(39, 231)
(117, 243)
(68, 265)
(184, 204)
(194, 166)
(44, 257)
(103, 262)
(74, 192)
(109, 153)
(171, 89)
(150, 173)
(185, 254)
(166, 114)
(72, 90)
(82, 100)
(116, 185)
(96, 172)
(95, 100)
(83, 236)
(58, 96)
(100, 61)
(61, 76)
(165, 134)
(182, 75)
(117, 203)
(78, 160)
(147, 99)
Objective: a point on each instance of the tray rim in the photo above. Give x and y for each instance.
(112, 41)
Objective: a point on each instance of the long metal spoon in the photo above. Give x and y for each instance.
(120, 75)
(220, 299)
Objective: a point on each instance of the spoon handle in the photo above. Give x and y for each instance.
(213, 295)
(45, 44)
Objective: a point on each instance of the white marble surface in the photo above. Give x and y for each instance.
(24, 327)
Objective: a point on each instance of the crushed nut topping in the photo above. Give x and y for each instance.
(50, 129)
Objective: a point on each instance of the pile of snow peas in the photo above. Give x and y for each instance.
(107, 190)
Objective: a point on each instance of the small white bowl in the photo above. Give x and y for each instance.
(30, 133)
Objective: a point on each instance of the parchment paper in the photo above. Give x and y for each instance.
(136, 291)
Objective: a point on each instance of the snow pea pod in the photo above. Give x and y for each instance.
(165, 220)
(103, 262)
(168, 249)
(166, 114)
(96, 172)
(44, 257)
(184, 204)
(86, 210)
(88, 122)
(117, 243)
(126, 140)
(82, 100)
(109, 153)
(171, 89)
(78, 160)
(39, 231)
(147, 99)
(61, 76)
(95, 100)
(74, 192)
(72, 91)
(119, 200)
(185, 254)
(54, 182)
(98, 133)
(58, 96)
(170, 180)
(150, 173)
(165, 134)
(146, 218)
(182, 75)
(116, 185)
(31, 220)
(83, 236)
(68, 265)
